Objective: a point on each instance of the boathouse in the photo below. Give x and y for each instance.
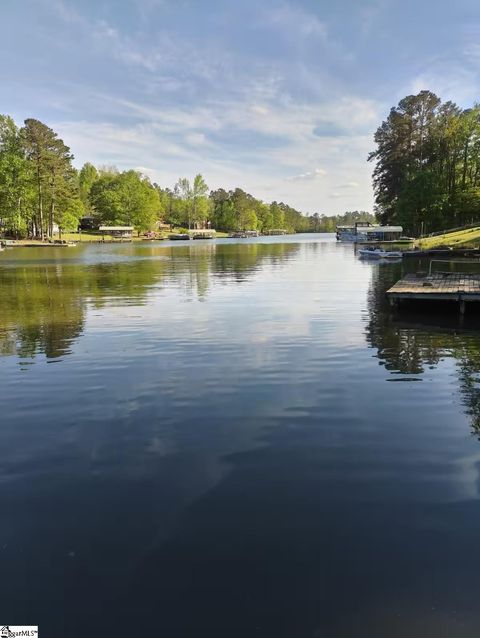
(117, 232)
(365, 232)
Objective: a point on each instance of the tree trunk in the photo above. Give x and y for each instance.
(50, 222)
(40, 201)
(40, 213)
(465, 158)
(52, 209)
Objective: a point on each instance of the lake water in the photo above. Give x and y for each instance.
(234, 439)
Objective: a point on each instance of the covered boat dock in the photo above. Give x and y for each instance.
(378, 233)
(123, 233)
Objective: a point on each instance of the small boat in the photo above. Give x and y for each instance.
(203, 236)
(244, 234)
(178, 236)
(379, 253)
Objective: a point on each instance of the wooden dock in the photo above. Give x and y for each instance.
(437, 286)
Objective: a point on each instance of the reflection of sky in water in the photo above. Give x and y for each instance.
(212, 392)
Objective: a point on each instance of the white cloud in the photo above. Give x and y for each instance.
(195, 138)
(251, 94)
(318, 172)
(234, 122)
(169, 139)
(450, 78)
(259, 109)
(64, 11)
(370, 14)
(349, 185)
(145, 170)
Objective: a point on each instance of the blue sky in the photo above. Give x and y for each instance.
(280, 98)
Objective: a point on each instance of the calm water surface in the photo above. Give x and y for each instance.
(233, 439)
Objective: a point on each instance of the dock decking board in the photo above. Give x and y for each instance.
(438, 286)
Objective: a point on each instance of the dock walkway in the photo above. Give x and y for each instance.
(438, 286)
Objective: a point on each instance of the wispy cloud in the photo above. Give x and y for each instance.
(65, 11)
(458, 83)
(294, 21)
(318, 172)
(157, 84)
(341, 195)
(370, 13)
(349, 185)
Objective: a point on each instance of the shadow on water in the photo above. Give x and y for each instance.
(420, 335)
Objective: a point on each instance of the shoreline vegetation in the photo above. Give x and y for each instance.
(426, 179)
(93, 237)
(43, 196)
(427, 167)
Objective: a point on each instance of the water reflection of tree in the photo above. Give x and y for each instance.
(420, 337)
(41, 311)
(468, 358)
(44, 305)
(238, 260)
(195, 268)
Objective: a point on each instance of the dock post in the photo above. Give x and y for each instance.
(462, 307)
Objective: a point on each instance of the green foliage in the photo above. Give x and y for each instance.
(327, 224)
(53, 176)
(17, 197)
(69, 213)
(278, 215)
(200, 202)
(87, 176)
(427, 172)
(172, 206)
(39, 187)
(238, 210)
(125, 199)
(188, 204)
(38, 184)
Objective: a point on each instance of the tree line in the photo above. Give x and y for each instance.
(41, 190)
(38, 184)
(427, 165)
(328, 223)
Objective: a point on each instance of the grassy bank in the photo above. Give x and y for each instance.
(469, 237)
(84, 237)
(92, 237)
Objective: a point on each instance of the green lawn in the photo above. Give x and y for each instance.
(86, 237)
(82, 237)
(468, 237)
(89, 237)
